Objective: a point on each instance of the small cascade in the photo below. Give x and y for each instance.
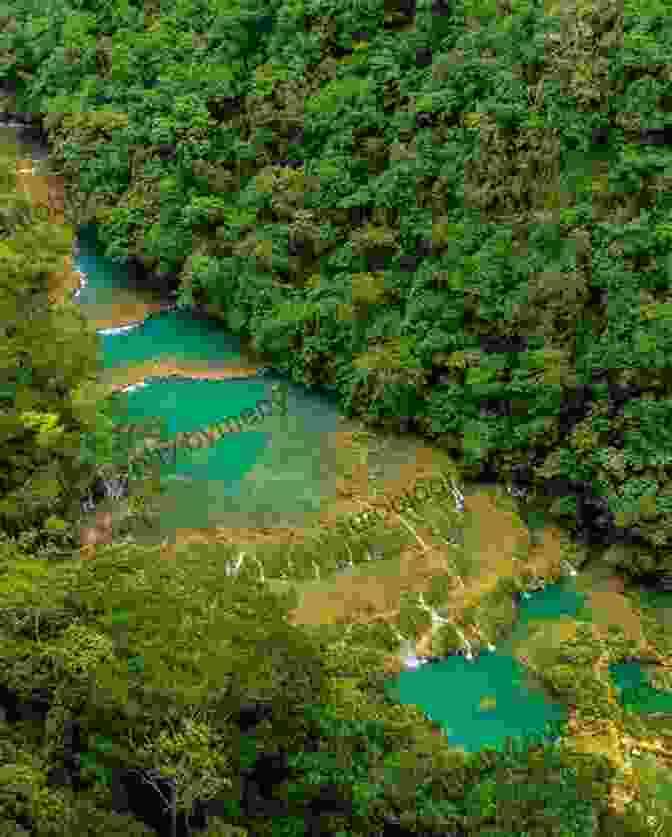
(345, 563)
(407, 652)
(437, 621)
(232, 568)
(533, 585)
(111, 488)
(104, 332)
(133, 387)
(83, 282)
(468, 653)
(568, 568)
(115, 487)
(458, 496)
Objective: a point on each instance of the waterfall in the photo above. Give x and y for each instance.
(407, 652)
(458, 496)
(568, 568)
(231, 568)
(439, 620)
(118, 329)
(83, 281)
(133, 387)
(468, 654)
(114, 488)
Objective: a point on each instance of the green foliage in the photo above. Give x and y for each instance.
(48, 361)
(485, 154)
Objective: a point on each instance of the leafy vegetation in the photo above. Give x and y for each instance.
(51, 402)
(454, 212)
(450, 213)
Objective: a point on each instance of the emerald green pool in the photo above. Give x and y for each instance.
(276, 473)
(636, 693)
(280, 472)
(452, 692)
(632, 678)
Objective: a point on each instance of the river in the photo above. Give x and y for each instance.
(301, 470)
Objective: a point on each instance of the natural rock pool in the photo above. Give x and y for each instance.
(197, 376)
(496, 698)
(185, 368)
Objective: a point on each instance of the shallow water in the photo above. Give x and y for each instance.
(636, 692)
(555, 601)
(467, 718)
(633, 678)
(281, 473)
(272, 474)
(258, 477)
(482, 703)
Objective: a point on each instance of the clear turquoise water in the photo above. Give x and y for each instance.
(175, 334)
(636, 693)
(450, 692)
(276, 474)
(556, 600)
(631, 678)
(280, 475)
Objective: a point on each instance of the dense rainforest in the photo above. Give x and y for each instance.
(454, 214)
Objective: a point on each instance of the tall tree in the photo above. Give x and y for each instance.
(48, 368)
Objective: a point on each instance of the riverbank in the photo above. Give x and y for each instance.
(369, 593)
(501, 532)
(47, 192)
(361, 595)
(120, 379)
